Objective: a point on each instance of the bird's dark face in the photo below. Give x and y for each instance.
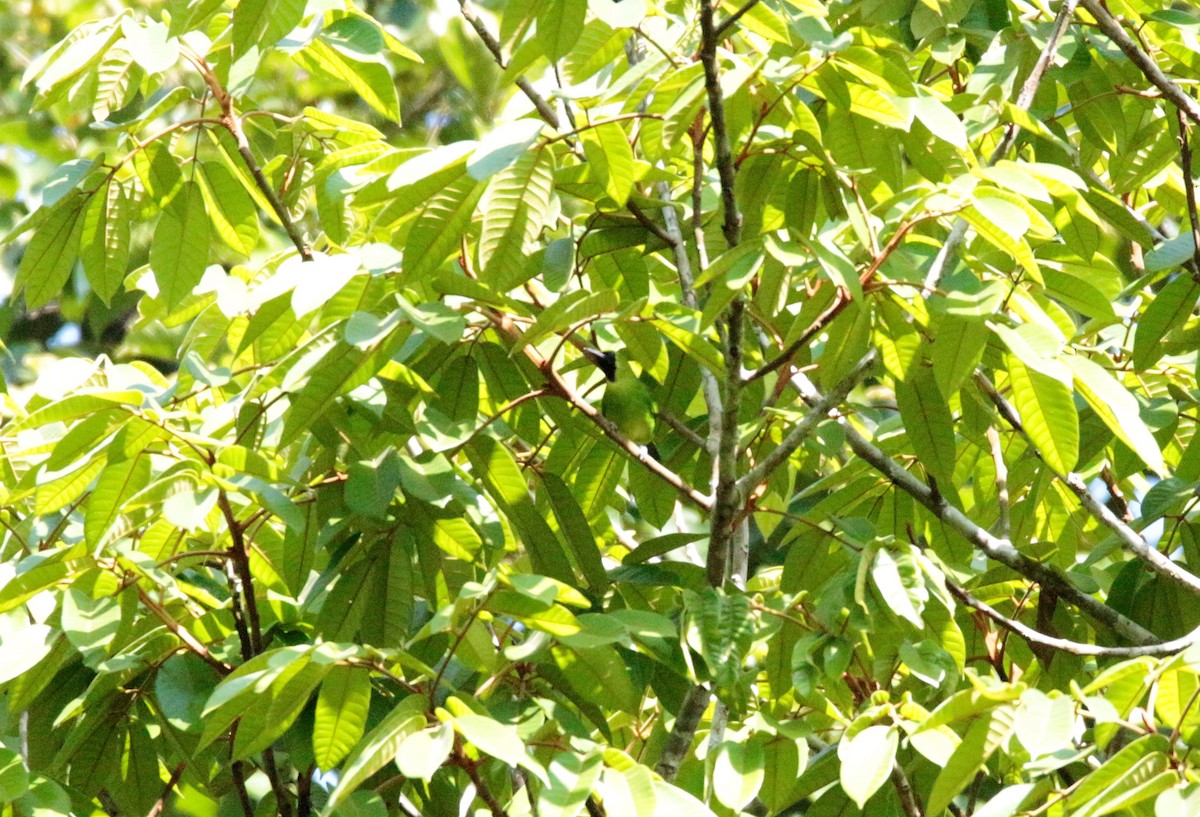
(604, 361)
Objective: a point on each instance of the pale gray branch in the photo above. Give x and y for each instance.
(800, 431)
(995, 548)
(1064, 645)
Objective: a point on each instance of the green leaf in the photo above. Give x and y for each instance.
(90, 624)
(610, 160)
(928, 423)
(867, 760)
(14, 779)
(334, 55)
(105, 240)
(1168, 310)
(499, 740)
(421, 754)
(559, 25)
(1047, 410)
(578, 533)
(234, 217)
(341, 714)
(630, 791)
(738, 773)
(118, 482)
(726, 632)
(597, 674)
(514, 212)
(573, 778)
(179, 252)
(181, 687)
(52, 251)
(1017, 248)
(1044, 724)
(380, 745)
(901, 585)
(439, 226)
(982, 738)
(597, 477)
(1119, 409)
(55, 492)
(22, 645)
(263, 23)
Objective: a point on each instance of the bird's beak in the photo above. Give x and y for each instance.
(604, 361)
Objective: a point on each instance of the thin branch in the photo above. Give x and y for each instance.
(593, 125)
(683, 269)
(1063, 645)
(234, 125)
(800, 431)
(182, 633)
(460, 759)
(458, 640)
(1030, 88)
(649, 224)
(733, 18)
(680, 740)
(1025, 99)
(728, 498)
(161, 802)
(1002, 522)
(681, 428)
(238, 773)
(904, 790)
(722, 154)
(840, 301)
(1130, 539)
(244, 581)
(999, 550)
(283, 800)
(1143, 62)
(1189, 184)
(493, 45)
(505, 409)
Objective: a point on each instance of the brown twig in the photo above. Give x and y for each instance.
(733, 18)
(1189, 184)
(161, 802)
(233, 123)
(182, 633)
(493, 45)
(237, 772)
(722, 154)
(242, 583)
(459, 758)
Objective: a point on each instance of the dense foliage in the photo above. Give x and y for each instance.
(310, 500)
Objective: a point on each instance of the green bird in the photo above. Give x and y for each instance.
(627, 401)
